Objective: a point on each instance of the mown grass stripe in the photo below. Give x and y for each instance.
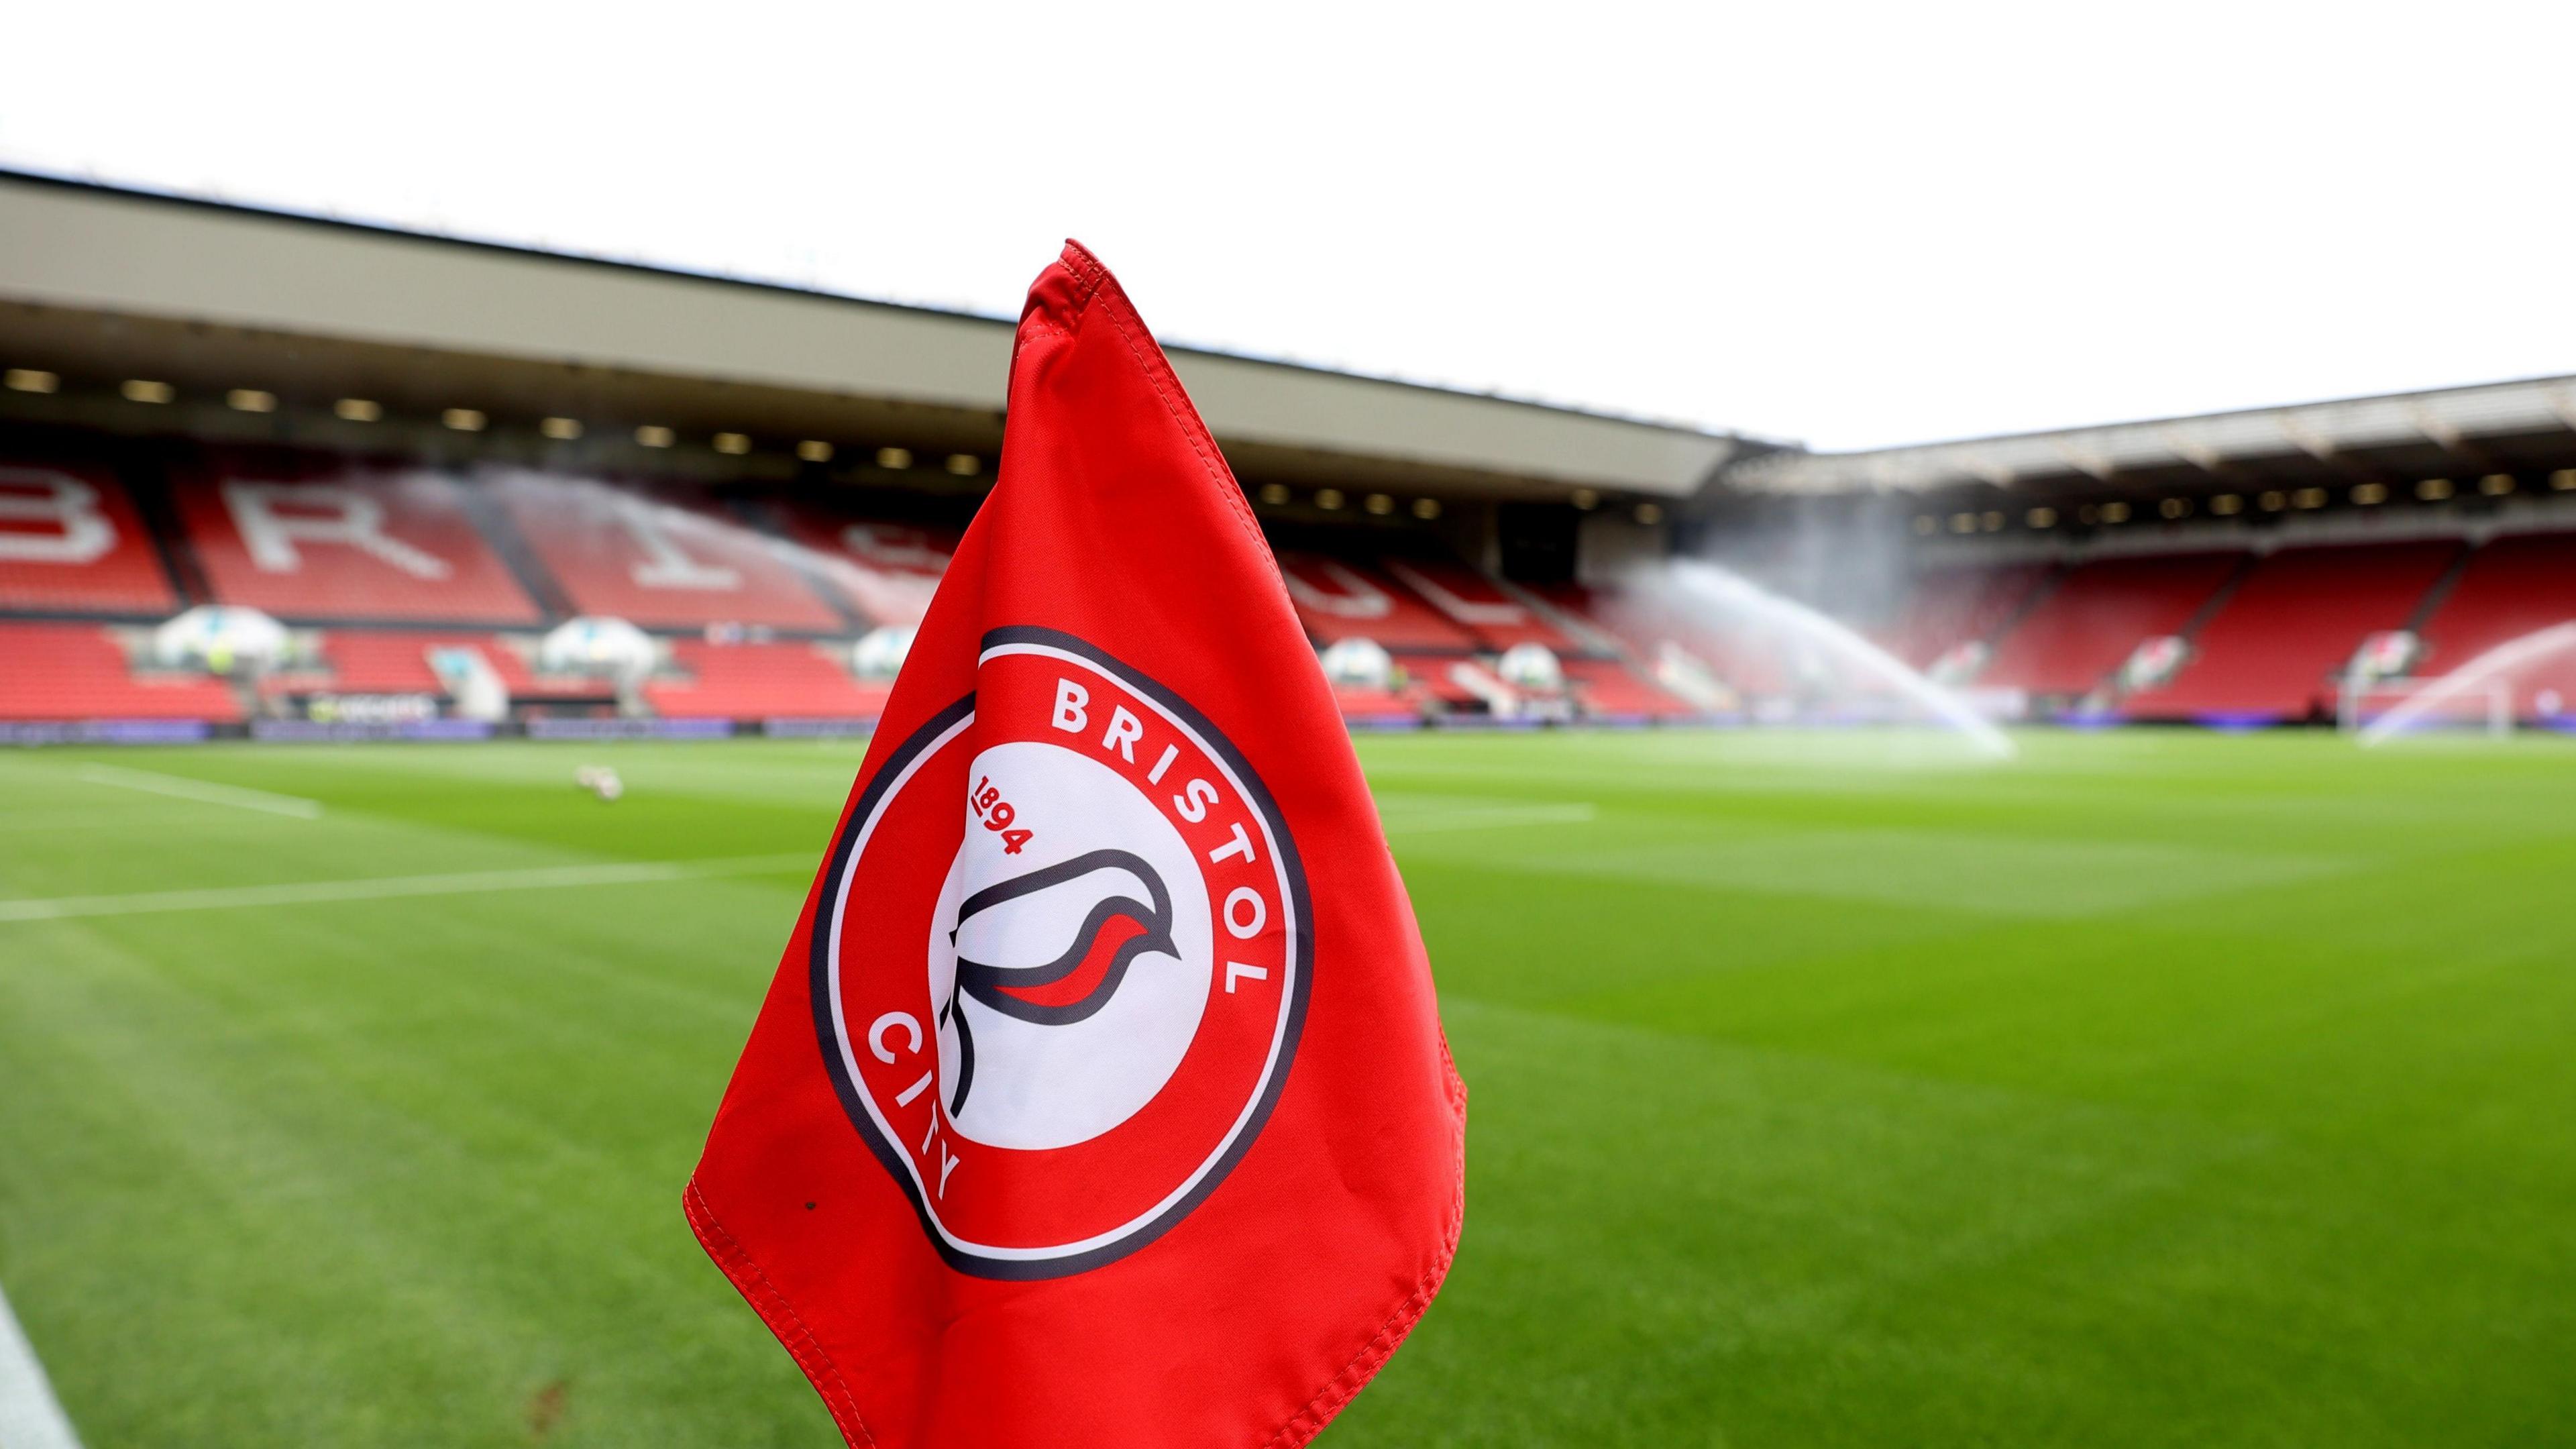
(470, 882)
(204, 792)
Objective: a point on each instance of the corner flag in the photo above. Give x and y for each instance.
(1101, 1097)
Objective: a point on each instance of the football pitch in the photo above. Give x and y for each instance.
(2155, 1088)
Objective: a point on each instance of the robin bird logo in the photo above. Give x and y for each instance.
(1077, 981)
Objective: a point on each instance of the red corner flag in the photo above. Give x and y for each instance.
(1101, 1097)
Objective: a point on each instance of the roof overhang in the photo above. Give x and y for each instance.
(116, 283)
(2489, 428)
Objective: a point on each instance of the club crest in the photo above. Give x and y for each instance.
(1061, 961)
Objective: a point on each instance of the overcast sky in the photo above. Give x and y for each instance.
(1848, 225)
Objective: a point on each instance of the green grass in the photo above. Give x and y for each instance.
(2154, 1089)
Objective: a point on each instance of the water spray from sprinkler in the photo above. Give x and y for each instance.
(1720, 597)
(2500, 662)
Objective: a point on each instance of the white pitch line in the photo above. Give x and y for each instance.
(1486, 818)
(471, 882)
(203, 791)
(30, 1416)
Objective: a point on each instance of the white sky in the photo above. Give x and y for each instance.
(1847, 224)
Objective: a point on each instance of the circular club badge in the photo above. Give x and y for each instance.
(1061, 961)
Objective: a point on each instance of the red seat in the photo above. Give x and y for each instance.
(761, 681)
(72, 542)
(884, 572)
(1476, 604)
(1947, 607)
(1377, 706)
(1610, 687)
(2098, 614)
(2514, 585)
(307, 537)
(77, 672)
(1427, 676)
(2276, 647)
(623, 553)
(1342, 599)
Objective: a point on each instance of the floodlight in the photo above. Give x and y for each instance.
(964, 465)
(2115, 512)
(464, 420)
(144, 390)
(2041, 518)
(30, 379)
(1379, 504)
(2496, 485)
(1963, 523)
(1274, 494)
(2433, 490)
(1647, 513)
(2309, 498)
(814, 450)
(1429, 508)
(2564, 480)
(2370, 494)
(2175, 507)
(1586, 498)
(1991, 520)
(562, 430)
(1328, 499)
(358, 410)
(735, 444)
(654, 435)
(251, 400)
(2226, 505)
(896, 459)
(2274, 500)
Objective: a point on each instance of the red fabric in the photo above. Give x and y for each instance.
(1117, 551)
(71, 540)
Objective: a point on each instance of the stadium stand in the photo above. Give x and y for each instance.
(1746, 663)
(1478, 605)
(2098, 613)
(777, 680)
(2512, 586)
(379, 563)
(1339, 598)
(72, 541)
(369, 661)
(376, 564)
(2278, 645)
(79, 672)
(1947, 607)
(1381, 707)
(884, 572)
(623, 553)
(306, 537)
(1609, 688)
(1434, 677)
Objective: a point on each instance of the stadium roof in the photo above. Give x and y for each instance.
(108, 283)
(2498, 427)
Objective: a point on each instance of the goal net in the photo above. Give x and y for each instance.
(2400, 708)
